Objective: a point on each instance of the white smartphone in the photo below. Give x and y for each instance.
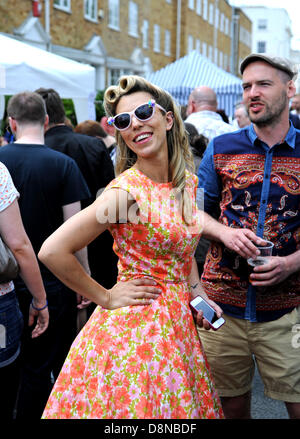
(199, 304)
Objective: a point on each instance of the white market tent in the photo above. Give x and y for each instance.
(182, 76)
(25, 67)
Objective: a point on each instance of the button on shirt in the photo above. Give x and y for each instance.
(209, 123)
(258, 188)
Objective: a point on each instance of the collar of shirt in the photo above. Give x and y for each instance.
(290, 138)
(207, 114)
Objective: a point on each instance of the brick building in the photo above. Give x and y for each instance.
(126, 36)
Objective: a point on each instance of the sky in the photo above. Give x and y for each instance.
(292, 7)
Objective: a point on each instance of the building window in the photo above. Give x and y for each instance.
(90, 9)
(262, 24)
(198, 45)
(191, 4)
(65, 5)
(190, 46)
(204, 48)
(222, 24)
(145, 34)
(167, 42)
(261, 47)
(221, 62)
(198, 7)
(156, 42)
(115, 74)
(211, 13)
(133, 19)
(210, 52)
(205, 10)
(217, 15)
(169, 1)
(114, 14)
(216, 54)
(226, 25)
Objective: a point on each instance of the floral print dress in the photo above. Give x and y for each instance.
(142, 361)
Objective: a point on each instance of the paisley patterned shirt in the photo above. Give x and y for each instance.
(258, 188)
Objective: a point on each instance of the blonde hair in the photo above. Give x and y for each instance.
(179, 151)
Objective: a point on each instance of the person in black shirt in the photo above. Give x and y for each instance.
(51, 188)
(92, 158)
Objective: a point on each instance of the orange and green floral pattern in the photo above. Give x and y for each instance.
(142, 361)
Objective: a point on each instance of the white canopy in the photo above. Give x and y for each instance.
(24, 67)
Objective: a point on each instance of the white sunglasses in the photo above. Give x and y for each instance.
(143, 112)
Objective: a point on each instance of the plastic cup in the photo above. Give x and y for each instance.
(265, 252)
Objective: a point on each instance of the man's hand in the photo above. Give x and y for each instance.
(275, 271)
(82, 302)
(242, 241)
(41, 323)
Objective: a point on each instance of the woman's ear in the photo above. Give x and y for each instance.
(169, 120)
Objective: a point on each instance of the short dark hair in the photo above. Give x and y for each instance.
(27, 107)
(90, 128)
(54, 105)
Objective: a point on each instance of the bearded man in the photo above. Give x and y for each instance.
(254, 176)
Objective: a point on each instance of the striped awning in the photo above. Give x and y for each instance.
(194, 70)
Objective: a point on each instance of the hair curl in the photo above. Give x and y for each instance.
(179, 152)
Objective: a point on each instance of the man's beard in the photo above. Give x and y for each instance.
(272, 114)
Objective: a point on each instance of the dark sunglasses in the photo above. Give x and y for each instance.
(143, 112)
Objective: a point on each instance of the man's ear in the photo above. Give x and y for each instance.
(46, 123)
(291, 91)
(13, 124)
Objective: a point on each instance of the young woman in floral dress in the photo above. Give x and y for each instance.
(139, 355)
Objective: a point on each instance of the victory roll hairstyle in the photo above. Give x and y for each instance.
(179, 151)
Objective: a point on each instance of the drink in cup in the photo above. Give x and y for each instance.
(262, 258)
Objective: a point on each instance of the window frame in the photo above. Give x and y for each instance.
(191, 4)
(211, 15)
(61, 6)
(145, 38)
(156, 38)
(114, 14)
(262, 24)
(92, 5)
(167, 50)
(133, 19)
(264, 43)
(190, 43)
(205, 10)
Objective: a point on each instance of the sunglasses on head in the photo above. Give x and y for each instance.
(143, 112)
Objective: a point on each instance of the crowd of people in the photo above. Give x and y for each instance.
(118, 224)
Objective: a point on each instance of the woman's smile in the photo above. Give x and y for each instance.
(143, 137)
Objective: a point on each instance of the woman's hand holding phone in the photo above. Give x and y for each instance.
(208, 313)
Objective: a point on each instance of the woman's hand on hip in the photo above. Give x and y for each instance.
(134, 292)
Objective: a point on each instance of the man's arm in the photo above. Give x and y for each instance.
(239, 240)
(209, 188)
